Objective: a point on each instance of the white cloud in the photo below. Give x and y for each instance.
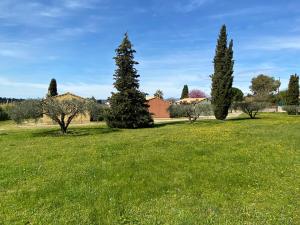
(191, 5)
(171, 85)
(16, 84)
(244, 11)
(88, 90)
(40, 13)
(18, 89)
(16, 50)
(79, 4)
(274, 43)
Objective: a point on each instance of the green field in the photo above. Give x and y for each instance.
(240, 171)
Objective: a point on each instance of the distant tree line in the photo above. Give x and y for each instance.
(4, 100)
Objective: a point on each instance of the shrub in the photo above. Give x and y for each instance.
(191, 111)
(177, 111)
(3, 114)
(234, 106)
(252, 108)
(97, 111)
(292, 109)
(29, 109)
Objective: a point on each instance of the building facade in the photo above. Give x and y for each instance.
(158, 107)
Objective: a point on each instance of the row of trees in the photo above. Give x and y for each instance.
(128, 105)
(60, 111)
(10, 100)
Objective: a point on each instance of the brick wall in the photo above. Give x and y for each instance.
(159, 108)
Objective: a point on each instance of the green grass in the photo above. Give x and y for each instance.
(235, 172)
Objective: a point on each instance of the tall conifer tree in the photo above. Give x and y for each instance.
(292, 97)
(52, 90)
(128, 106)
(185, 92)
(222, 78)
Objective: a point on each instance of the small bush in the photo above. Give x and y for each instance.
(29, 109)
(97, 111)
(251, 107)
(3, 114)
(191, 111)
(292, 109)
(177, 111)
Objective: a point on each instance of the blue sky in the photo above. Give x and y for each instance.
(74, 42)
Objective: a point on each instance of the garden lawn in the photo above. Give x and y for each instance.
(240, 171)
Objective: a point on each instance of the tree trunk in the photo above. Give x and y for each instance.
(63, 129)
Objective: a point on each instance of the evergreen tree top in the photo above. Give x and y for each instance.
(185, 92)
(52, 90)
(126, 76)
(125, 48)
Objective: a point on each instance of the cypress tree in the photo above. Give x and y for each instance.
(185, 92)
(222, 78)
(52, 90)
(128, 106)
(292, 97)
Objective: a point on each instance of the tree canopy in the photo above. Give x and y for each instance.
(197, 94)
(237, 95)
(264, 86)
(159, 94)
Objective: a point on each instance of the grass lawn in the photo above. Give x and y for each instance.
(240, 171)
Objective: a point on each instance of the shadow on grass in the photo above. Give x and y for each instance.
(186, 122)
(243, 118)
(76, 132)
(166, 123)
